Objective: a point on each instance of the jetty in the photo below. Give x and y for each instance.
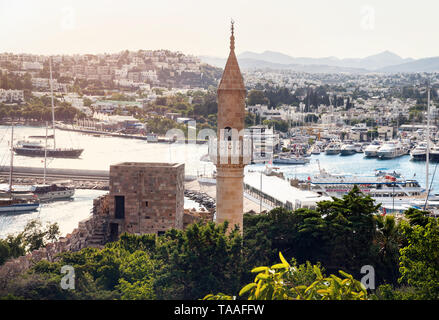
(93, 131)
(64, 174)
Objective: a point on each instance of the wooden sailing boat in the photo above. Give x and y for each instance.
(53, 191)
(32, 149)
(11, 204)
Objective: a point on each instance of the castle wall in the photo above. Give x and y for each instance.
(91, 232)
(153, 195)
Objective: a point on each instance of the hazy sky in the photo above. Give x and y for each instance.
(311, 28)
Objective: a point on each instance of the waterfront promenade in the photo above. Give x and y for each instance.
(94, 131)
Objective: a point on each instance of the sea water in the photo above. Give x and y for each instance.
(101, 152)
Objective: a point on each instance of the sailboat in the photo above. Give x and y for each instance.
(13, 204)
(53, 191)
(32, 149)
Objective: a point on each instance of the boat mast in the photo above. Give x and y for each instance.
(45, 156)
(12, 160)
(53, 107)
(428, 136)
(260, 203)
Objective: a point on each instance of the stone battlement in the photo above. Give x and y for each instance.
(90, 233)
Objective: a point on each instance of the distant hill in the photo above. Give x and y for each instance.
(382, 62)
(248, 64)
(421, 65)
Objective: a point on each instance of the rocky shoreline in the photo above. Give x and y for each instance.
(202, 199)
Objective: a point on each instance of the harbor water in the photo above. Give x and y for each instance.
(101, 152)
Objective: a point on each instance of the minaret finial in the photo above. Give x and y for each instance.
(232, 37)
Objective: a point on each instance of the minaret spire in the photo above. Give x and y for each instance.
(232, 37)
(232, 77)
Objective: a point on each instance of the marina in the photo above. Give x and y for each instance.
(98, 150)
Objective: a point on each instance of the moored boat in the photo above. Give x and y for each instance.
(32, 149)
(391, 150)
(13, 205)
(333, 148)
(348, 149)
(290, 159)
(371, 151)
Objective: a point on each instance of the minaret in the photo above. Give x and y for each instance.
(229, 159)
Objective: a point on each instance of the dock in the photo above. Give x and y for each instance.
(64, 174)
(122, 135)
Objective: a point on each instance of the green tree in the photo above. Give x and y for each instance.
(33, 237)
(419, 261)
(200, 259)
(255, 97)
(283, 281)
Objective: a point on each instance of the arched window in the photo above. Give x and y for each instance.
(228, 134)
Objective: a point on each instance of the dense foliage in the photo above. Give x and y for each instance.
(33, 237)
(283, 281)
(40, 109)
(177, 265)
(344, 234)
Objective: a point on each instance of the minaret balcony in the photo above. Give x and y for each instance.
(230, 152)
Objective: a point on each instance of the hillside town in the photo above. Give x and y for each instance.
(121, 88)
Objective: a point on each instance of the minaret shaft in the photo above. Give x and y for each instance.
(231, 116)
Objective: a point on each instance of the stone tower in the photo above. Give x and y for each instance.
(146, 197)
(230, 159)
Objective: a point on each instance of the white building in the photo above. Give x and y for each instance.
(11, 96)
(29, 65)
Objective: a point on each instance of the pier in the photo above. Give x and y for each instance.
(94, 131)
(64, 174)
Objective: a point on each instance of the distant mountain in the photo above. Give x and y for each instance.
(252, 63)
(247, 64)
(276, 60)
(268, 56)
(421, 65)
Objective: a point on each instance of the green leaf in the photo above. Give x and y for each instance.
(247, 288)
(262, 276)
(346, 275)
(259, 269)
(317, 271)
(283, 259)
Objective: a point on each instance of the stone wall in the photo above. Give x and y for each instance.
(152, 194)
(91, 232)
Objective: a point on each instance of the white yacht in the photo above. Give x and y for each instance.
(333, 148)
(391, 150)
(290, 159)
(348, 149)
(41, 192)
(419, 153)
(51, 192)
(315, 150)
(371, 151)
(358, 147)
